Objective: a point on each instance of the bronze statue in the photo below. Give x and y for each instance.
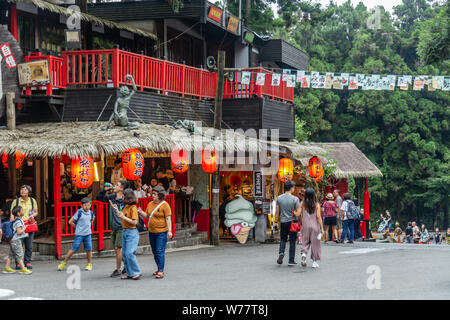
(121, 107)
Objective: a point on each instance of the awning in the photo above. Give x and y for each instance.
(86, 138)
(350, 161)
(44, 5)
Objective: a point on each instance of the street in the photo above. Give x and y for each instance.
(249, 272)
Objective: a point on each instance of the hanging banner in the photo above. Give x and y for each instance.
(353, 84)
(260, 78)
(419, 83)
(286, 72)
(246, 75)
(276, 79)
(315, 79)
(328, 80)
(446, 84)
(300, 75)
(8, 56)
(435, 83)
(306, 81)
(290, 82)
(337, 83)
(344, 79)
(360, 79)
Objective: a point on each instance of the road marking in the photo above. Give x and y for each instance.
(26, 298)
(6, 293)
(361, 251)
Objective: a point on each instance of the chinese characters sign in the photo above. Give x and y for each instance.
(8, 56)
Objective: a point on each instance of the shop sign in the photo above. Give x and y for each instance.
(215, 14)
(258, 183)
(33, 73)
(8, 56)
(233, 24)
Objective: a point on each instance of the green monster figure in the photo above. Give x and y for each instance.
(121, 108)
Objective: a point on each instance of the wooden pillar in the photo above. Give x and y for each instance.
(37, 176)
(57, 205)
(11, 125)
(13, 25)
(366, 209)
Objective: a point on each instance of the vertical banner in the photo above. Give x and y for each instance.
(344, 79)
(315, 79)
(352, 83)
(286, 73)
(300, 75)
(306, 80)
(337, 83)
(260, 78)
(290, 81)
(328, 80)
(446, 84)
(360, 79)
(276, 77)
(259, 188)
(246, 75)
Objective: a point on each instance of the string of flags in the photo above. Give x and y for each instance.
(339, 81)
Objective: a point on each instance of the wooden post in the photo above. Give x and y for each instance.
(11, 125)
(57, 206)
(214, 221)
(14, 21)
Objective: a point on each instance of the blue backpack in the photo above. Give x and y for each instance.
(353, 213)
(8, 231)
(79, 215)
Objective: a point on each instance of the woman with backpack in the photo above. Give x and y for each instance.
(159, 214)
(312, 227)
(330, 209)
(30, 209)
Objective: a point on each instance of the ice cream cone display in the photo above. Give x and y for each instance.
(240, 217)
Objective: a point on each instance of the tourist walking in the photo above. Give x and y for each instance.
(339, 221)
(437, 237)
(312, 228)
(357, 221)
(424, 235)
(130, 234)
(288, 207)
(115, 222)
(82, 221)
(30, 209)
(330, 210)
(348, 225)
(388, 220)
(159, 214)
(416, 232)
(15, 245)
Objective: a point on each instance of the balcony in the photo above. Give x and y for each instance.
(108, 68)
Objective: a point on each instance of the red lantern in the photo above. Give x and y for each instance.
(285, 169)
(132, 164)
(179, 159)
(19, 159)
(315, 168)
(209, 161)
(82, 172)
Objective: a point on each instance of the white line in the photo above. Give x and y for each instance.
(26, 298)
(6, 293)
(361, 251)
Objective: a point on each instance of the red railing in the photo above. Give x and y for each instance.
(55, 69)
(236, 90)
(109, 67)
(101, 211)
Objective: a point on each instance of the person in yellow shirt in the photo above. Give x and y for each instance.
(30, 209)
(159, 226)
(130, 234)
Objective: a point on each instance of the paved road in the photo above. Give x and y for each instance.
(233, 271)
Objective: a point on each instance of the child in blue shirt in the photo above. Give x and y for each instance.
(82, 222)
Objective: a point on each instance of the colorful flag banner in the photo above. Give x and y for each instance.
(337, 83)
(315, 79)
(353, 83)
(306, 80)
(344, 79)
(276, 79)
(446, 84)
(329, 80)
(419, 82)
(360, 79)
(435, 83)
(290, 81)
(246, 75)
(286, 72)
(260, 78)
(300, 75)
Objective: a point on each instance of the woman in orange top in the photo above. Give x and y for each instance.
(130, 234)
(159, 226)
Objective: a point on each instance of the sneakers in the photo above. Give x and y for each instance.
(25, 271)
(350, 241)
(18, 267)
(8, 271)
(115, 273)
(28, 266)
(88, 267)
(280, 259)
(303, 260)
(61, 266)
(315, 264)
(293, 263)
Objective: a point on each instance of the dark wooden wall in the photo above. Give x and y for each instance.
(258, 114)
(285, 54)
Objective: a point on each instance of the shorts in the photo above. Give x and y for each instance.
(16, 250)
(339, 224)
(86, 240)
(330, 221)
(116, 238)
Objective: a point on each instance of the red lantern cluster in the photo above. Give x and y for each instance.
(132, 164)
(315, 168)
(285, 169)
(19, 159)
(209, 161)
(82, 172)
(179, 159)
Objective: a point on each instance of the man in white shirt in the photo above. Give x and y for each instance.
(348, 224)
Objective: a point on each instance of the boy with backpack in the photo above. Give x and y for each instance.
(350, 213)
(82, 222)
(16, 249)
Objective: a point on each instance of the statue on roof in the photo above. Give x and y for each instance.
(121, 107)
(186, 124)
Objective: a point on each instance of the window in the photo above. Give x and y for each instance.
(27, 35)
(52, 38)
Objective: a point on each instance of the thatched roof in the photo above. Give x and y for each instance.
(44, 5)
(350, 161)
(87, 138)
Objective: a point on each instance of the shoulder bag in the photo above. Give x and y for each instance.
(295, 226)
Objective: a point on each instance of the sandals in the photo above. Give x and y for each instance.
(136, 277)
(155, 273)
(124, 277)
(159, 275)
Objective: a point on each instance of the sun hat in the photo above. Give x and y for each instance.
(330, 196)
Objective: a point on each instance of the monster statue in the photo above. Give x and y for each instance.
(121, 107)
